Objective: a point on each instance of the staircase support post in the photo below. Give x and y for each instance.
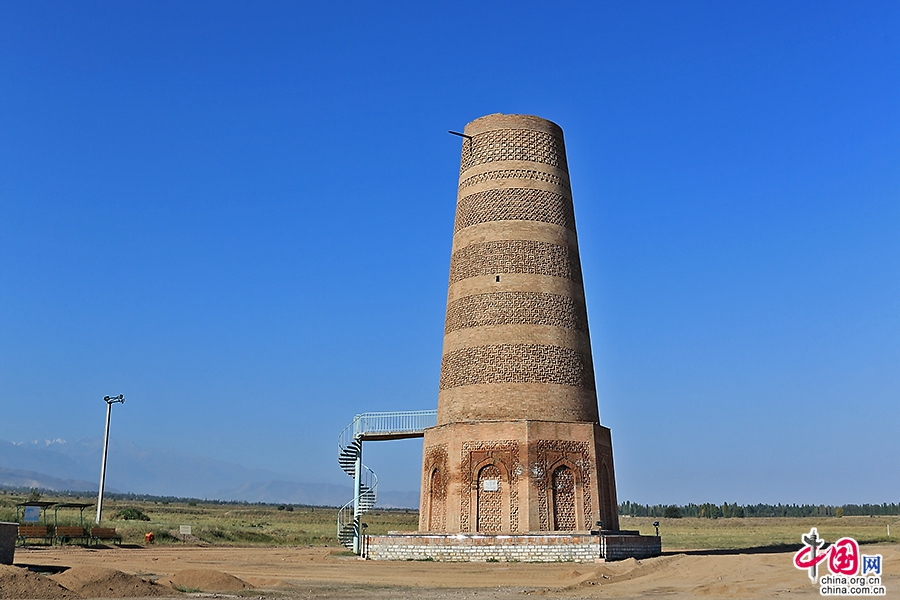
(357, 499)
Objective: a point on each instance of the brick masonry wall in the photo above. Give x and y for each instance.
(510, 548)
(8, 533)
(515, 306)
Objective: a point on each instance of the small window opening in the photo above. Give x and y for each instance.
(498, 279)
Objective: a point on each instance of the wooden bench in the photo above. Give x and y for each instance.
(104, 534)
(34, 532)
(68, 534)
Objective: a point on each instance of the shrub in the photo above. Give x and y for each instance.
(672, 512)
(132, 514)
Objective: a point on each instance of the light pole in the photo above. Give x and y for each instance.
(110, 400)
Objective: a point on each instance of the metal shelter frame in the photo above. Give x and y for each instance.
(44, 505)
(79, 505)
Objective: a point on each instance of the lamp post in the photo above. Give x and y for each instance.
(110, 400)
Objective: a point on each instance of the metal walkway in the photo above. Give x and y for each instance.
(370, 427)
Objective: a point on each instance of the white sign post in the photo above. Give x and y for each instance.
(184, 530)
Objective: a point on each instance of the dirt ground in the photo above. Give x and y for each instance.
(317, 572)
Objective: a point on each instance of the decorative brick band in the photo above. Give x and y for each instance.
(516, 363)
(514, 204)
(524, 174)
(516, 308)
(513, 144)
(515, 256)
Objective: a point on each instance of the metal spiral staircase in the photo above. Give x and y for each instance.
(370, 427)
(365, 491)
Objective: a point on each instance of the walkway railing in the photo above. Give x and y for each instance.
(406, 423)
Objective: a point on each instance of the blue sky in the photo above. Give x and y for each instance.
(239, 216)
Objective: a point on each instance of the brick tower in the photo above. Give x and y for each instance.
(518, 445)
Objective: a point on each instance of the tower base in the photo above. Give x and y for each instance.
(509, 477)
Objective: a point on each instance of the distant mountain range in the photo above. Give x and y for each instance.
(32, 479)
(74, 466)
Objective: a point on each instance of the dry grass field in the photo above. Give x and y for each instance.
(269, 525)
(760, 532)
(222, 524)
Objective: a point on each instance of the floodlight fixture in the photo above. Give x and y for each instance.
(656, 524)
(110, 400)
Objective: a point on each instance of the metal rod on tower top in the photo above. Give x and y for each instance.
(110, 400)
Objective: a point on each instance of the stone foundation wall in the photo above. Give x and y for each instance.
(619, 547)
(510, 548)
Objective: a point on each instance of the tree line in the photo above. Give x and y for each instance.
(735, 510)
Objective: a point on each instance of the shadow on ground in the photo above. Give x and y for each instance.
(773, 549)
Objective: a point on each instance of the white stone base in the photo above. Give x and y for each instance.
(537, 547)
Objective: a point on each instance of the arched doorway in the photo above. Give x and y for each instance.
(436, 501)
(490, 500)
(563, 482)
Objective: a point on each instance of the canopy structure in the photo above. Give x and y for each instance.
(79, 505)
(43, 505)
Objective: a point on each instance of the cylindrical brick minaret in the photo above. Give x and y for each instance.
(516, 342)
(518, 445)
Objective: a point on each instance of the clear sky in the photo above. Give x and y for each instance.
(239, 215)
